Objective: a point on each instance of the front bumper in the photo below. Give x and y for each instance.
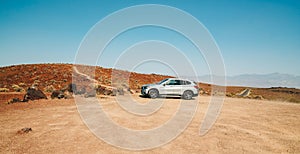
(144, 91)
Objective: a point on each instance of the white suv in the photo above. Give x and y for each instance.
(187, 89)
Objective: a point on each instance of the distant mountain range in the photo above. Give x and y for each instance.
(259, 80)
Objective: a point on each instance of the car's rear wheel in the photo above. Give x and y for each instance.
(187, 95)
(153, 93)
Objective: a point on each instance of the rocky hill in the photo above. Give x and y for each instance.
(48, 77)
(56, 76)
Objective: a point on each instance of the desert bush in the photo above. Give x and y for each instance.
(36, 78)
(294, 100)
(257, 97)
(100, 79)
(35, 83)
(52, 81)
(65, 76)
(49, 89)
(17, 88)
(227, 94)
(22, 84)
(4, 90)
(106, 81)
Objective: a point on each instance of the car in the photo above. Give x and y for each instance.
(185, 88)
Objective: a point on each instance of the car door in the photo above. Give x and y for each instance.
(177, 88)
(169, 87)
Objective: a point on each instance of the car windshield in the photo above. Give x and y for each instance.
(162, 81)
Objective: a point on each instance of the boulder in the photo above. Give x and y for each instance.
(245, 93)
(81, 91)
(113, 92)
(34, 94)
(107, 92)
(120, 91)
(24, 130)
(100, 90)
(90, 94)
(72, 88)
(57, 94)
(14, 100)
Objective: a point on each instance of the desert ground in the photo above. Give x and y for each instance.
(244, 126)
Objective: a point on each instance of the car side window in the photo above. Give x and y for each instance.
(177, 82)
(173, 82)
(183, 82)
(188, 82)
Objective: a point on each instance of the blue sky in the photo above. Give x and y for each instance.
(256, 36)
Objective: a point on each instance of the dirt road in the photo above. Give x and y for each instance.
(244, 126)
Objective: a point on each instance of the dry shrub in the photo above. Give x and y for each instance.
(22, 84)
(4, 90)
(294, 100)
(17, 88)
(49, 89)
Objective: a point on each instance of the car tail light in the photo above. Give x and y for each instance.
(196, 87)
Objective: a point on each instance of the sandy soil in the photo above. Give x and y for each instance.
(244, 126)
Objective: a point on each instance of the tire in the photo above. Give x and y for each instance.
(153, 93)
(187, 95)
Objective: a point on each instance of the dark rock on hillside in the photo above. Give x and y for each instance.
(14, 100)
(34, 94)
(245, 93)
(110, 92)
(57, 94)
(100, 90)
(72, 88)
(120, 91)
(90, 94)
(80, 91)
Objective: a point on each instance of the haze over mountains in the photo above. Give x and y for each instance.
(259, 80)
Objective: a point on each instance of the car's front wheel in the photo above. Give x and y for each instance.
(153, 93)
(187, 95)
